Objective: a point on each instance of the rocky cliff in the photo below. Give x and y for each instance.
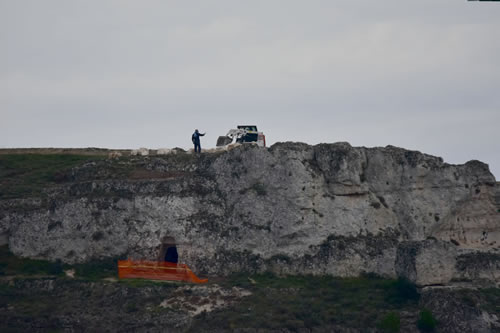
(291, 208)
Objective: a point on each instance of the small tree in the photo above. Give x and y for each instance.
(426, 321)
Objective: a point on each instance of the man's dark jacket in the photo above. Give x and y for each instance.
(196, 137)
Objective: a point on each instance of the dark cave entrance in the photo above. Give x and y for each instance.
(168, 251)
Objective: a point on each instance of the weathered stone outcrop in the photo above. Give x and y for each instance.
(290, 208)
(458, 311)
(428, 262)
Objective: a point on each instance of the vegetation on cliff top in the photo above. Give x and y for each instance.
(24, 175)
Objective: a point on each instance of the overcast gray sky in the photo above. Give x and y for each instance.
(422, 75)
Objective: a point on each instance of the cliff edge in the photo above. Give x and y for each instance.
(291, 208)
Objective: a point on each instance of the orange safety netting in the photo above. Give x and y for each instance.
(154, 270)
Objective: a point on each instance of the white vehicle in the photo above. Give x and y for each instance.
(242, 134)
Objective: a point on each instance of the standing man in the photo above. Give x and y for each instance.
(196, 140)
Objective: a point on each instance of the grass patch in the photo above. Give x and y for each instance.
(92, 270)
(12, 265)
(97, 269)
(7, 294)
(491, 300)
(143, 283)
(23, 175)
(390, 323)
(311, 301)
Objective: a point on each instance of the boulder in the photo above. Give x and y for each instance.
(428, 262)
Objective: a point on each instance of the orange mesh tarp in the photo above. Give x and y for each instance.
(153, 270)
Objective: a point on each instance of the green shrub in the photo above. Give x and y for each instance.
(426, 321)
(406, 289)
(98, 269)
(402, 291)
(390, 323)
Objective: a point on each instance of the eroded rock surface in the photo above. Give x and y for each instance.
(428, 262)
(458, 311)
(291, 208)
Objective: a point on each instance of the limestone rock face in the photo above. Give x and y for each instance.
(478, 266)
(428, 262)
(291, 208)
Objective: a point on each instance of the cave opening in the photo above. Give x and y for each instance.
(168, 251)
